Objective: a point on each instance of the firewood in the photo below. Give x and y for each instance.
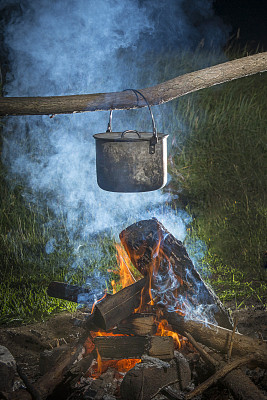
(137, 324)
(219, 338)
(124, 347)
(218, 375)
(149, 377)
(242, 387)
(158, 94)
(114, 308)
(149, 245)
(244, 391)
(74, 293)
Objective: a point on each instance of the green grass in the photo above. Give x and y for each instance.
(27, 269)
(218, 170)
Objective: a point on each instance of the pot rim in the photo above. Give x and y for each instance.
(116, 137)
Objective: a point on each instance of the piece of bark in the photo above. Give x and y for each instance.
(114, 308)
(158, 94)
(137, 324)
(219, 338)
(155, 251)
(74, 293)
(124, 347)
(145, 379)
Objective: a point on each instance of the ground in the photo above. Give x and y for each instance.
(28, 341)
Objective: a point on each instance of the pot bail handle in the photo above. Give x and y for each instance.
(129, 131)
(154, 139)
(109, 128)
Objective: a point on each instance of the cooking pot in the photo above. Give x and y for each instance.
(131, 161)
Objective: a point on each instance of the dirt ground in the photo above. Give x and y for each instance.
(28, 341)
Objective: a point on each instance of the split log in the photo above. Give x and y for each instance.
(146, 379)
(74, 293)
(158, 94)
(137, 324)
(218, 338)
(114, 308)
(124, 347)
(152, 248)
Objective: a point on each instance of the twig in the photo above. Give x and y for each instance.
(218, 375)
(163, 387)
(229, 353)
(206, 356)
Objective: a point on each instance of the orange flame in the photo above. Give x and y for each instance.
(164, 330)
(127, 275)
(125, 270)
(97, 301)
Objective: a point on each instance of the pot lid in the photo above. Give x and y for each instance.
(128, 136)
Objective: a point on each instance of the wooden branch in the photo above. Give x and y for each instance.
(124, 347)
(236, 381)
(158, 94)
(206, 356)
(229, 353)
(218, 375)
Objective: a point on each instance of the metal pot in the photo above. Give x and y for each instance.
(131, 161)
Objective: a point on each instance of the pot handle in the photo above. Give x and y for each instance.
(154, 139)
(130, 130)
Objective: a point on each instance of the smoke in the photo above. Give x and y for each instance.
(58, 47)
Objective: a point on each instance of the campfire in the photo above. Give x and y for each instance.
(137, 338)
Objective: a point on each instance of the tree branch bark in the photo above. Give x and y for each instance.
(158, 94)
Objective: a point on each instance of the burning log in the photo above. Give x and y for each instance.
(114, 308)
(158, 94)
(137, 324)
(156, 252)
(124, 347)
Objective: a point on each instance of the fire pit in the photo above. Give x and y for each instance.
(140, 342)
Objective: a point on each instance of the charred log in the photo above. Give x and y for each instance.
(124, 347)
(74, 293)
(151, 247)
(114, 308)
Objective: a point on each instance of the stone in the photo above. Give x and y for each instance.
(7, 369)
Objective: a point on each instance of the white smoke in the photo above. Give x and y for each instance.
(58, 47)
